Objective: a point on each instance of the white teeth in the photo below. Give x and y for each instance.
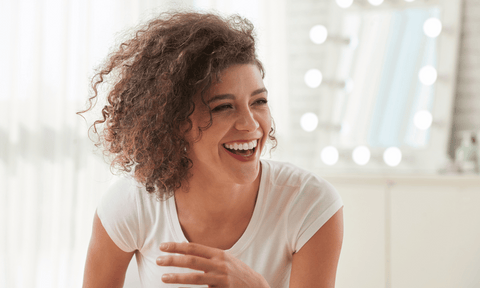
(242, 146)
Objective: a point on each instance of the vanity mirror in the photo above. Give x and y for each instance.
(386, 87)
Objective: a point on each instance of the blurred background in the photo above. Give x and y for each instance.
(379, 97)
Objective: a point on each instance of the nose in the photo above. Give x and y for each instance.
(246, 121)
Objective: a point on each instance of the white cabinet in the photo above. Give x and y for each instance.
(364, 237)
(409, 232)
(435, 236)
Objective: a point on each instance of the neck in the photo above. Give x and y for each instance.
(208, 200)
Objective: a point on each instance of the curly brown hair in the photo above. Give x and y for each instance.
(156, 74)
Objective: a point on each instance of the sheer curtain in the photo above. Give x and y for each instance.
(50, 180)
(50, 177)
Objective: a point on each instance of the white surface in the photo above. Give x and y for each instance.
(412, 231)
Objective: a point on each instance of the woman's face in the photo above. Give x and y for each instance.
(230, 149)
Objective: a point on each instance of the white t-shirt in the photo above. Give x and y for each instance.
(292, 204)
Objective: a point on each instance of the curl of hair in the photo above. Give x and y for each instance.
(156, 73)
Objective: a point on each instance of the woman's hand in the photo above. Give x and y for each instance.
(221, 269)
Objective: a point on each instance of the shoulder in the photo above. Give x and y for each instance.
(121, 191)
(125, 199)
(298, 189)
(283, 171)
(127, 211)
(287, 174)
(126, 188)
(306, 200)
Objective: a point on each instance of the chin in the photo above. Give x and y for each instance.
(247, 174)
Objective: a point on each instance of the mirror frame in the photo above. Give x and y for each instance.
(427, 160)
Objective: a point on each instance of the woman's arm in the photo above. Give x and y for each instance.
(106, 264)
(315, 264)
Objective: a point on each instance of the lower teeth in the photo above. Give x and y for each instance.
(244, 153)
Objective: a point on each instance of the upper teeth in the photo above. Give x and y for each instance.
(242, 146)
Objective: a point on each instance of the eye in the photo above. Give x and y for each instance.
(222, 107)
(261, 101)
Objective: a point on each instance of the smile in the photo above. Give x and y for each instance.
(241, 150)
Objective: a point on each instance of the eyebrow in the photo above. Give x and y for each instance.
(231, 96)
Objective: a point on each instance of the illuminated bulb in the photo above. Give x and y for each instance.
(423, 119)
(427, 75)
(375, 2)
(329, 155)
(344, 3)
(432, 27)
(309, 121)
(409, 0)
(313, 78)
(318, 34)
(392, 156)
(361, 155)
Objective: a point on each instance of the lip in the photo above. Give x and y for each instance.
(242, 158)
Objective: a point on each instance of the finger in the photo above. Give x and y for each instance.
(192, 278)
(187, 261)
(189, 249)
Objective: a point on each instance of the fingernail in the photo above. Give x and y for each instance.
(164, 246)
(166, 277)
(160, 260)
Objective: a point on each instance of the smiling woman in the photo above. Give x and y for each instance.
(240, 116)
(188, 114)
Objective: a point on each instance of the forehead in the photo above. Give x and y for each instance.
(237, 79)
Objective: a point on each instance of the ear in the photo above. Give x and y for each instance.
(192, 134)
(186, 126)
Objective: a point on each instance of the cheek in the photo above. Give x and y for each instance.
(208, 140)
(267, 121)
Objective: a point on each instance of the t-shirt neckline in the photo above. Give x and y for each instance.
(249, 233)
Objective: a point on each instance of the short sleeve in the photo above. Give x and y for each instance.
(118, 212)
(314, 204)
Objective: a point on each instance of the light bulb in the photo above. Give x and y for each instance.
(427, 75)
(309, 121)
(344, 3)
(423, 119)
(409, 0)
(361, 155)
(313, 78)
(432, 27)
(392, 156)
(318, 34)
(329, 155)
(375, 2)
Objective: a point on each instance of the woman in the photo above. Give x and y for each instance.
(188, 116)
